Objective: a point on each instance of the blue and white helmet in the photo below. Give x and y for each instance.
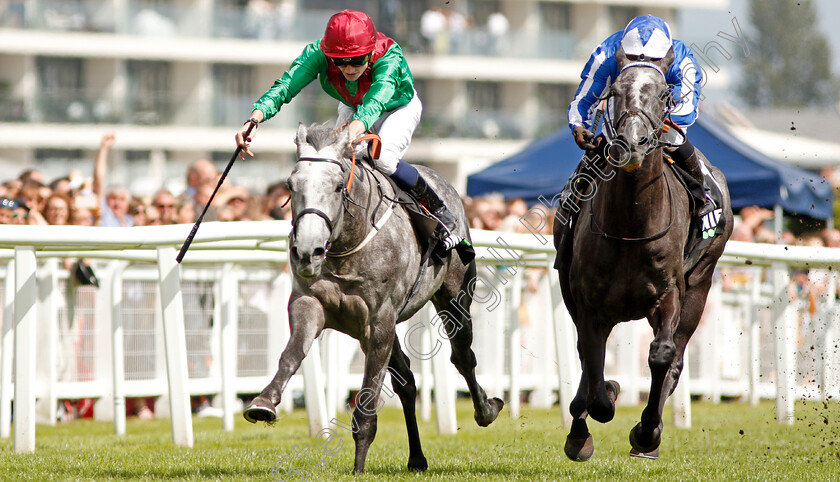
(647, 35)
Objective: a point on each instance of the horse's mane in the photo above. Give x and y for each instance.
(324, 135)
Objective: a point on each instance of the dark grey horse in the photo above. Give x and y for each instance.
(624, 259)
(346, 280)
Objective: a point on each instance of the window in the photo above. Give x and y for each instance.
(621, 16)
(553, 107)
(483, 95)
(233, 93)
(483, 118)
(149, 98)
(61, 97)
(555, 16)
(482, 9)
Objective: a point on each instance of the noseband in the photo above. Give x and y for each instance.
(318, 212)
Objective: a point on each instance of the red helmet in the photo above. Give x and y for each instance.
(349, 33)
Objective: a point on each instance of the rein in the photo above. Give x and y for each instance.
(598, 231)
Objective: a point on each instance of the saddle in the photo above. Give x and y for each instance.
(424, 228)
(702, 230)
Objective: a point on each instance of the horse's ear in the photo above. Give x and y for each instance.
(665, 62)
(343, 137)
(300, 138)
(621, 58)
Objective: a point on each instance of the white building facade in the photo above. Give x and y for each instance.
(175, 79)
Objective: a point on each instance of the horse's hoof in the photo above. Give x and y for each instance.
(260, 410)
(579, 449)
(496, 405)
(417, 464)
(653, 455)
(641, 448)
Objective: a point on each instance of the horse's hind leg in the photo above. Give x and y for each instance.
(403, 382)
(306, 320)
(455, 311)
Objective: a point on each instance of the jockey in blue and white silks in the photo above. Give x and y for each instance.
(646, 38)
(649, 36)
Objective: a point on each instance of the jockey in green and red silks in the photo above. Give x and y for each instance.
(367, 73)
(646, 38)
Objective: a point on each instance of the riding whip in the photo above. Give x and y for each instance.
(194, 230)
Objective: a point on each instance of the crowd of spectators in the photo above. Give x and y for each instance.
(86, 201)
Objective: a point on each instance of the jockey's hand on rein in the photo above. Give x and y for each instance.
(584, 138)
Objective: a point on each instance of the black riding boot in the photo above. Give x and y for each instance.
(686, 157)
(428, 197)
(566, 195)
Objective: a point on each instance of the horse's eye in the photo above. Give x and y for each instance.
(339, 187)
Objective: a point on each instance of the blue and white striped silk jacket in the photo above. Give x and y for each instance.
(684, 76)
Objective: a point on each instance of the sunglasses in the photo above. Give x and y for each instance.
(351, 61)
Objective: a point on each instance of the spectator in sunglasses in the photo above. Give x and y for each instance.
(367, 73)
(7, 210)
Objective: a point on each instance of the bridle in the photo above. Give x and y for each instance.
(652, 125)
(346, 200)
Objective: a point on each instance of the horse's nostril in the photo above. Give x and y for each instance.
(317, 252)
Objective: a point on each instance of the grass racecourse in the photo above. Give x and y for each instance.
(731, 441)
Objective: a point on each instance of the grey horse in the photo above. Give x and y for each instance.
(624, 258)
(353, 270)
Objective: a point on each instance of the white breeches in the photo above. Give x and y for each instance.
(395, 128)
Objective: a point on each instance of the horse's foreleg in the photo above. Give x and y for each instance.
(306, 320)
(458, 326)
(377, 348)
(645, 436)
(404, 385)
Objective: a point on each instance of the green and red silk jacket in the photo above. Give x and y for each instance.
(386, 84)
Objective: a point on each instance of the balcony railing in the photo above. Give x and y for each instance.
(85, 106)
(187, 20)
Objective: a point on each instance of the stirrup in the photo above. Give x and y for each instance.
(708, 203)
(445, 230)
(706, 208)
(449, 238)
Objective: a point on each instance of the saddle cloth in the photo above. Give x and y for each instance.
(703, 229)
